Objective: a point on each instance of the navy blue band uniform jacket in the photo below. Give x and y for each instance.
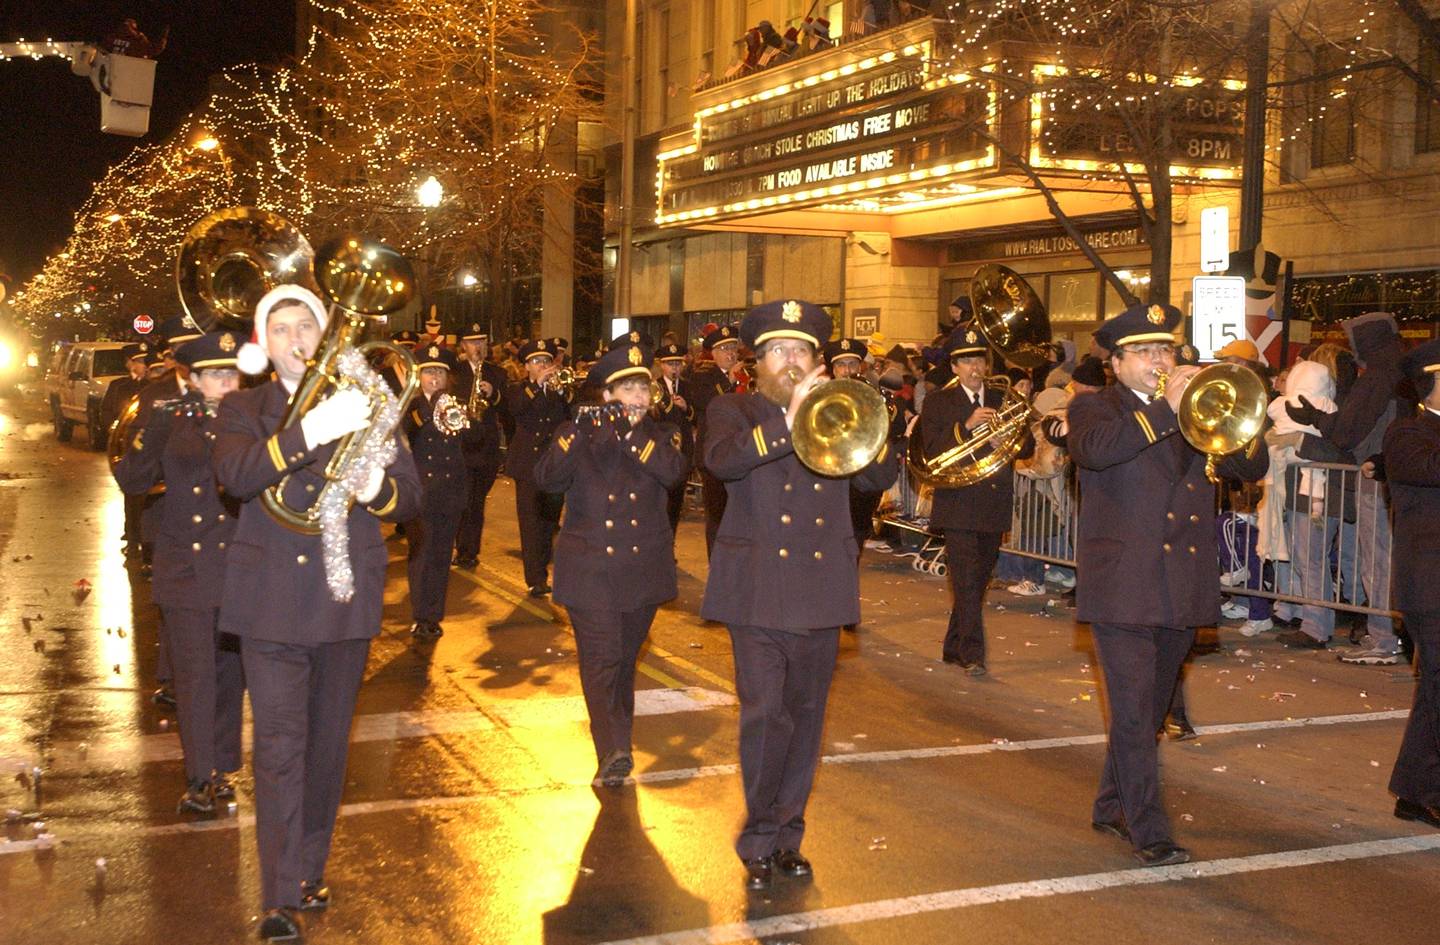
(681, 418)
(537, 414)
(986, 505)
(1412, 469)
(785, 557)
(275, 585)
(483, 447)
(702, 387)
(439, 457)
(615, 550)
(1146, 545)
(163, 389)
(194, 520)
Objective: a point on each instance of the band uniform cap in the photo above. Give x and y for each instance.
(962, 302)
(561, 344)
(476, 332)
(178, 330)
(136, 351)
(405, 337)
(670, 352)
(626, 359)
(538, 347)
(214, 350)
(724, 334)
(843, 348)
(433, 355)
(965, 342)
(1186, 354)
(788, 318)
(1140, 324)
(1240, 348)
(1421, 360)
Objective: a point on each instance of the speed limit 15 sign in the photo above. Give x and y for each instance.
(1217, 313)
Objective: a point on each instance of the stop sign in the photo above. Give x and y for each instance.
(144, 324)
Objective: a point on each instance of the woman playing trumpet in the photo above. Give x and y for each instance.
(615, 464)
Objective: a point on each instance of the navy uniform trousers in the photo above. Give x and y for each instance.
(539, 515)
(783, 681)
(479, 480)
(210, 693)
(431, 536)
(970, 558)
(303, 698)
(1141, 666)
(1417, 768)
(608, 644)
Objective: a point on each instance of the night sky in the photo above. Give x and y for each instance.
(54, 150)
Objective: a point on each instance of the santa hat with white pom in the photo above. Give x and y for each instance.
(253, 358)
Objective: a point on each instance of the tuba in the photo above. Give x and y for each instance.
(1221, 411)
(361, 279)
(231, 258)
(1011, 319)
(840, 426)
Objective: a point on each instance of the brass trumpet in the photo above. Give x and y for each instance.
(563, 381)
(1221, 411)
(840, 426)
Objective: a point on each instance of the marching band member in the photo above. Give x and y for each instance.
(783, 578)
(194, 521)
(675, 410)
(304, 653)
(440, 463)
(482, 451)
(614, 561)
(538, 408)
(974, 518)
(117, 397)
(845, 357)
(1412, 467)
(705, 385)
(1146, 559)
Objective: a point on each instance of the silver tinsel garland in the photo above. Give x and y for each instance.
(376, 451)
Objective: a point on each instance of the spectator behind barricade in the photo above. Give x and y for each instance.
(1357, 429)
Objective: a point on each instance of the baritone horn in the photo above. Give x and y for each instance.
(1221, 411)
(1012, 320)
(840, 426)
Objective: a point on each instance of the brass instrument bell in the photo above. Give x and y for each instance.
(1222, 411)
(840, 427)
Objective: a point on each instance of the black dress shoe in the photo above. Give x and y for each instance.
(1115, 828)
(539, 590)
(615, 768)
(971, 667)
(199, 798)
(221, 788)
(314, 895)
(759, 873)
(791, 863)
(1178, 727)
(426, 630)
(280, 925)
(163, 697)
(1410, 810)
(1162, 853)
(467, 562)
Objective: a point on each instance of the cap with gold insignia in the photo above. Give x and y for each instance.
(540, 347)
(725, 334)
(476, 332)
(406, 338)
(670, 352)
(600, 349)
(140, 351)
(789, 318)
(562, 344)
(1140, 324)
(213, 351)
(433, 355)
(1421, 364)
(965, 342)
(843, 348)
(1186, 354)
(626, 359)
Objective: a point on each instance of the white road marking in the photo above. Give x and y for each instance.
(799, 922)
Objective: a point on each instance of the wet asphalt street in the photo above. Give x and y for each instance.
(948, 809)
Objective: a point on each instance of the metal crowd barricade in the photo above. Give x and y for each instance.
(1042, 520)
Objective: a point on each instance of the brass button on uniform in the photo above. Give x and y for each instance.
(818, 556)
(222, 546)
(609, 523)
(196, 490)
(1170, 516)
(632, 497)
(634, 523)
(1194, 520)
(195, 547)
(609, 550)
(197, 519)
(785, 519)
(301, 559)
(635, 549)
(784, 553)
(611, 498)
(820, 522)
(817, 487)
(1166, 546)
(1192, 549)
(787, 487)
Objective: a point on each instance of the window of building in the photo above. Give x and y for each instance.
(708, 30)
(1427, 110)
(662, 62)
(1332, 110)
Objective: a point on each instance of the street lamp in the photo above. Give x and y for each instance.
(430, 192)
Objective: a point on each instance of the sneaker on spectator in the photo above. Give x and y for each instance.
(1235, 578)
(1233, 611)
(1253, 628)
(1059, 578)
(1026, 589)
(1372, 653)
(878, 544)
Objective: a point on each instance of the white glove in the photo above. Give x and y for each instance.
(326, 422)
(372, 487)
